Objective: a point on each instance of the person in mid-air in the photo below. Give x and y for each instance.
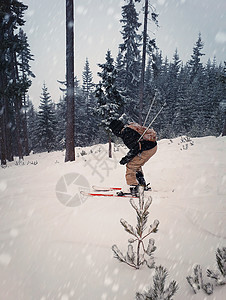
(142, 144)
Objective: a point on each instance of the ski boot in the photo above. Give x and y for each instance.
(134, 190)
(142, 182)
(140, 178)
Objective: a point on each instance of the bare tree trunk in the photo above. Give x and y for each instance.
(110, 146)
(18, 108)
(24, 126)
(18, 129)
(2, 136)
(141, 93)
(8, 130)
(70, 149)
(25, 134)
(224, 128)
(2, 121)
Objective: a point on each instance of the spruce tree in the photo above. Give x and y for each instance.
(32, 127)
(154, 17)
(158, 291)
(130, 70)
(11, 17)
(109, 99)
(171, 109)
(61, 126)
(82, 120)
(46, 122)
(223, 102)
(196, 95)
(25, 74)
(195, 61)
(138, 254)
(87, 84)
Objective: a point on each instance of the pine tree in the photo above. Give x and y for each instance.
(182, 110)
(141, 255)
(158, 291)
(220, 275)
(130, 70)
(119, 66)
(46, 122)
(172, 93)
(195, 61)
(61, 126)
(109, 99)
(154, 17)
(32, 127)
(11, 17)
(223, 102)
(24, 57)
(87, 85)
(82, 119)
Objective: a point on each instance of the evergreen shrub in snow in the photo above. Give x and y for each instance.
(143, 254)
(219, 277)
(196, 282)
(158, 291)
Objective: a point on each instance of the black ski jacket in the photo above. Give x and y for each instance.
(130, 138)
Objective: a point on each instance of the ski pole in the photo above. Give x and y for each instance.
(149, 109)
(152, 121)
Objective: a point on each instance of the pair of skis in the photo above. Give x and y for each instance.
(107, 192)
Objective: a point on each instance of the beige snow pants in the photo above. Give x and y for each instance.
(136, 165)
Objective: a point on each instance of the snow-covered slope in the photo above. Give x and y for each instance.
(56, 245)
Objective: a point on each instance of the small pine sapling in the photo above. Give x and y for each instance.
(158, 291)
(142, 255)
(219, 277)
(197, 283)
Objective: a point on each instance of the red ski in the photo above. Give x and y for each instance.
(87, 194)
(106, 189)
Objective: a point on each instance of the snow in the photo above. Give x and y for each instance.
(51, 250)
(220, 37)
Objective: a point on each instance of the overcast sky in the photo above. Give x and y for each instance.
(97, 29)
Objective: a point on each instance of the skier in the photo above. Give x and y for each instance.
(141, 150)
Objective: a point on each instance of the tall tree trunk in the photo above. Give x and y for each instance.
(18, 108)
(9, 125)
(141, 92)
(2, 109)
(109, 146)
(18, 128)
(224, 128)
(70, 149)
(24, 125)
(25, 134)
(2, 135)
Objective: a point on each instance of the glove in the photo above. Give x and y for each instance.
(124, 160)
(131, 154)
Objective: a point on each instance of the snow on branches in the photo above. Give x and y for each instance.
(142, 255)
(159, 292)
(219, 277)
(197, 283)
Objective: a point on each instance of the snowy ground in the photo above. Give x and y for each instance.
(52, 249)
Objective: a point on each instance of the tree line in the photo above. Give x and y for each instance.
(193, 93)
(15, 80)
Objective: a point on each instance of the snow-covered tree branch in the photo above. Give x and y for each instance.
(142, 255)
(159, 292)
